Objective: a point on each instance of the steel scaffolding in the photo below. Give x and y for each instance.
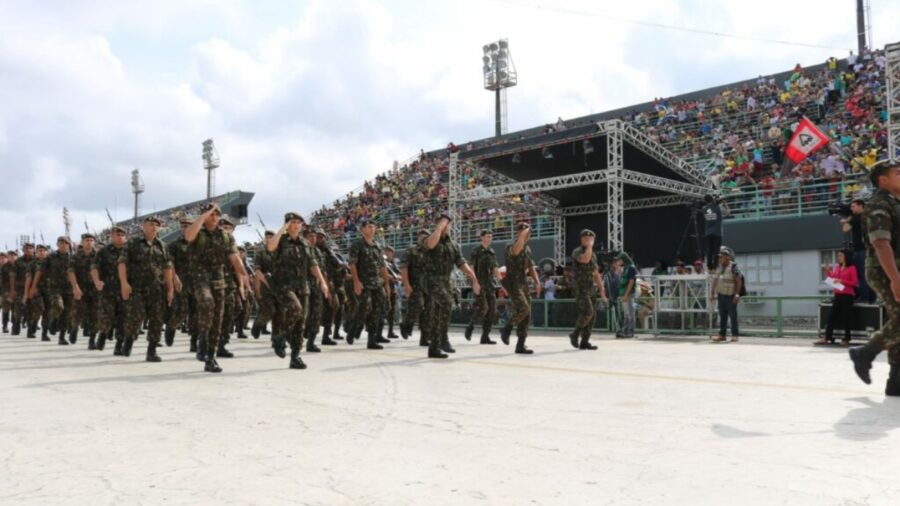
(892, 67)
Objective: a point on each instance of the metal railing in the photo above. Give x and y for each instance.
(788, 198)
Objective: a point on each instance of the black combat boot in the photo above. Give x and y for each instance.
(296, 362)
(202, 341)
(221, 352)
(101, 341)
(278, 345)
(255, 330)
(211, 364)
(573, 338)
(505, 332)
(62, 338)
(127, 343)
(240, 333)
(31, 329)
(44, 331)
(117, 351)
(586, 343)
(266, 332)
(520, 347)
(381, 339)
(405, 330)
(151, 353)
(892, 388)
(311, 345)
(170, 336)
(445, 345)
(16, 326)
(337, 333)
(373, 343)
(434, 350)
(92, 343)
(862, 358)
(423, 339)
(193, 344)
(391, 334)
(486, 339)
(5, 317)
(73, 336)
(469, 329)
(326, 338)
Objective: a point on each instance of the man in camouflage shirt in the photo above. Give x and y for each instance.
(412, 271)
(484, 311)
(336, 270)
(177, 312)
(105, 277)
(6, 268)
(371, 284)
(586, 276)
(146, 279)
(37, 298)
(211, 249)
(55, 270)
(248, 304)
(295, 266)
(17, 287)
(390, 261)
(84, 307)
(882, 224)
(316, 299)
(232, 298)
(519, 267)
(262, 287)
(441, 255)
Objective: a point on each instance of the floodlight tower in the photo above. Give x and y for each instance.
(210, 164)
(499, 74)
(137, 188)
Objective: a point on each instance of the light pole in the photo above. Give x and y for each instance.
(210, 164)
(137, 188)
(499, 74)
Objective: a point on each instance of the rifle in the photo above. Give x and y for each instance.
(261, 222)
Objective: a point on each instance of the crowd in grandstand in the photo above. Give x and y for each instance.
(741, 132)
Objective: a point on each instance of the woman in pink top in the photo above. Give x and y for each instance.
(842, 306)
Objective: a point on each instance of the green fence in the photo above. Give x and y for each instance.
(788, 198)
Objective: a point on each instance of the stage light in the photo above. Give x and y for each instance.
(588, 147)
(547, 154)
(517, 158)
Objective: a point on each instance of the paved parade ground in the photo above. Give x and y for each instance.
(647, 421)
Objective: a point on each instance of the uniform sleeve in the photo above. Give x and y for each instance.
(354, 253)
(575, 254)
(125, 255)
(879, 221)
(405, 259)
(458, 259)
(594, 266)
(40, 266)
(313, 258)
(167, 258)
(232, 249)
(72, 263)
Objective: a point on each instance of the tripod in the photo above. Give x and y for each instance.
(691, 231)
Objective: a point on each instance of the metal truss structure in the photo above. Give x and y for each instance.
(892, 67)
(614, 175)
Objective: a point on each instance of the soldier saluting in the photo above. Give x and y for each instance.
(882, 223)
(519, 267)
(587, 275)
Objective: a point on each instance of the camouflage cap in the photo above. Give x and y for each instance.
(321, 232)
(293, 216)
(43, 247)
(226, 220)
(486, 232)
(389, 248)
(120, 229)
(424, 231)
(153, 219)
(588, 232)
(28, 245)
(64, 239)
(12, 252)
(186, 221)
(88, 235)
(366, 222)
(241, 248)
(725, 250)
(210, 206)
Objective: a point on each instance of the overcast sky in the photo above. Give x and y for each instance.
(305, 100)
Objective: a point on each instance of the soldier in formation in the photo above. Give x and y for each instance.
(484, 311)
(587, 276)
(519, 269)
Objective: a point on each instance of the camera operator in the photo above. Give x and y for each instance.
(713, 210)
(853, 225)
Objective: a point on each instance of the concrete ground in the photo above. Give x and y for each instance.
(647, 421)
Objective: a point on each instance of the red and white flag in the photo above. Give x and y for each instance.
(806, 140)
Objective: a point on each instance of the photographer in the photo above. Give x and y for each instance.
(713, 210)
(853, 225)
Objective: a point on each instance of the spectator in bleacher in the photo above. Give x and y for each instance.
(842, 305)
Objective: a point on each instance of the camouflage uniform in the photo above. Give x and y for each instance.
(484, 311)
(369, 261)
(350, 308)
(208, 257)
(268, 304)
(516, 281)
(146, 263)
(333, 311)
(19, 271)
(5, 304)
(37, 308)
(882, 221)
(84, 311)
(415, 304)
(111, 311)
(231, 305)
(55, 270)
(246, 305)
(439, 263)
(316, 301)
(294, 260)
(177, 313)
(585, 298)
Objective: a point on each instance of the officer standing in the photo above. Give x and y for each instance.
(484, 311)
(146, 279)
(295, 264)
(587, 276)
(412, 271)
(440, 256)
(370, 285)
(882, 220)
(519, 267)
(105, 276)
(84, 307)
(177, 312)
